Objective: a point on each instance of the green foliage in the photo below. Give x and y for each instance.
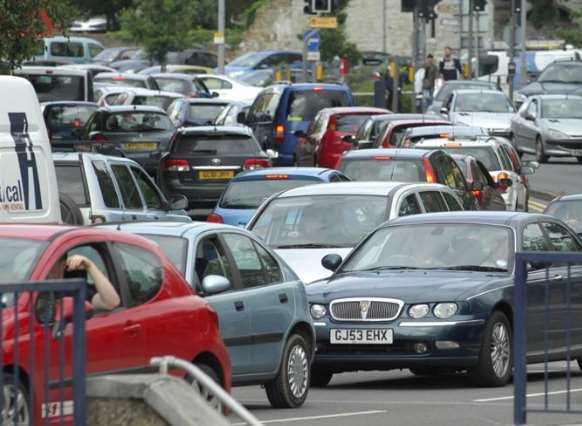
(573, 35)
(335, 42)
(22, 29)
(108, 8)
(542, 12)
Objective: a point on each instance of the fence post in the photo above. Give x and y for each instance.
(519, 340)
(79, 357)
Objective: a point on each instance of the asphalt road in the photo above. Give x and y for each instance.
(558, 176)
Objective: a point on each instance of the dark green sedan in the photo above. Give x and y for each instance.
(434, 293)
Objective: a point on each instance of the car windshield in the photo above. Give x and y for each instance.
(175, 249)
(259, 78)
(384, 168)
(18, 256)
(483, 102)
(58, 87)
(248, 60)
(63, 118)
(320, 221)
(568, 211)
(305, 104)
(121, 81)
(138, 122)
(107, 55)
(250, 194)
(561, 73)
(175, 85)
(222, 144)
(349, 123)
(162, 102)
(203, 114)
(447, 89)
(562, 108)
(485, 154)
(454, 246)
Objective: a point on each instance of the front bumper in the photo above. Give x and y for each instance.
(567, 147)
(402, 353)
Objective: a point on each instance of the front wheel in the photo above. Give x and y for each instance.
(495, 357)
(16, 403)
(541, 156)
(289, 389)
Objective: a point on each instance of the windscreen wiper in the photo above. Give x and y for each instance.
(308, 245)
(476, 268)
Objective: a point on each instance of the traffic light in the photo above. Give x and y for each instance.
(407, 5)
(479, 5)
(308, 8)
(426, 9)
(313, 7)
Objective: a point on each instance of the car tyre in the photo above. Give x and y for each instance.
(541, 156)
(291, 386)
(70, 212)
(212, 400)
(320, 378)
(579, 159)
(496, 355)
(17, 401)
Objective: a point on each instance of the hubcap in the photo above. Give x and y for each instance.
(15, 407)
(207, 396)
(298, 371)
(500, 349)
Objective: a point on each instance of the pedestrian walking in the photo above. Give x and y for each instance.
(428, 82)
(450, 67)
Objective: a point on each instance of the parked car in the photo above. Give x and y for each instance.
(417, 134)
(332, 133)
(191, 112)
(395, 129)
(58, 84)
(435, 291)
(159, 315)
(177, 69)
(234, 114)
(304, 224)
(549, 125)
(247, 191)
(449, 87)
(146, 97)
(479, 178)
(68, 49)
(95, 24)
(184, 84)
(407, 165)
(261, 304)
(127, 80)
(229, 89)
(93, 69)
(261, 60)
(64, 121)
(202, 160)
(494, 156)
(142, 133)
(281, 110)
(567, 208)
(96, 188)
(561, 77)
(489, 109)
(113, 54)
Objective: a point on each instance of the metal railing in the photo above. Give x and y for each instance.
(213, 388)
(36, 351)
(554, 285)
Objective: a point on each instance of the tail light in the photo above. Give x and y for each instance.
(76, 123)
(99, 138)
(332, 125)
(171, 165)
(214, 218)
(478, 194)
(429, 171)
(279, 133)
(256, 163)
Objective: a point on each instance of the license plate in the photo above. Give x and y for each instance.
(215, 174)
(141, 146)
(370, 336)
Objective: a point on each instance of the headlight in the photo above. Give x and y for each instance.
(557, 134)
(418, 311)
(318, 311)
(445, 310)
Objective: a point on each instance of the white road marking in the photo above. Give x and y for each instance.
(529, 395)
(326, 416)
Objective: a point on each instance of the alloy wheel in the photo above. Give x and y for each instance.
(208, 396)
(500, 349)
(15, 407)
(298, 371)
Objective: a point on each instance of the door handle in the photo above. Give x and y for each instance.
(283, 298)
(239, 306)
(132, 328)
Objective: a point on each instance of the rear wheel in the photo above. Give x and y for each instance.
(209, 397)
(541, 156)
(320, 378)
(70, 212)
(16, 403)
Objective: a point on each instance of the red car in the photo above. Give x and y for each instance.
(330, 132)
(159, 313)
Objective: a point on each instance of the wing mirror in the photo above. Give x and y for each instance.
(351, 139)
(214, 284)
(331, 262)
(529, 116)
(178, 202)
(214, 95)
(533, 164)
(300, 134)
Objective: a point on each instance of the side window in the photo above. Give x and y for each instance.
(433, 201)
(93, 254)
(336, 177)
(106, 184)
(457, 174)
(246, 259)
(272, 271)
(150, 193)
(409, 206)
(505, 161)
(212, 83)
(452, 202)
(129, 191)
(533, 108)
(560, 238)
(143, 272)
(212, 260)
(94, 50)
(533, 238)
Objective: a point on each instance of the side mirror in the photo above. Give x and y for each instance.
(215, 94)
(349, 139)
(503, 184)
(533, 164)
(331, 262)
(444, 110)
(476, 186)
(263, 66)
(272, 153)
(214, 284)
(530, 117)
(178, 202)
(241, 118)
(527, 170)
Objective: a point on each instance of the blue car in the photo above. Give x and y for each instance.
(281, 114)
(264, 59)
(261, 304)
(247, 191)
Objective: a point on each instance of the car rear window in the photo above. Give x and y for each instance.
(68, 116)
(384, 170)
(250, 194)
(70, 181)
(305, 104)
(203, 114)
(68, 49)
(138, 122)
(58, 87)
(121, 81)
(350, 123)
(216, 145)
(175, 85)
(484, 154)
(162, 102)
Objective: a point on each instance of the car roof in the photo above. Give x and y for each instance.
(470, 217)
(173, 75)
(448, 128)
(74, 157)
(568, 197)
(131, 108)
(466, 82)
(479, 91)
(399, 153)
(556, 96)
(142, 91)
(126, 76)
(33, 232)
(209, 101)
(289, 171)
(345, 188)
(237, 130)
(438, 143)
(356, 110)
(65, 103)
(40, 69)
(176, 229)
(71, 39)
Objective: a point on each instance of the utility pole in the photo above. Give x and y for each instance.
(523, 28)
(383, 25)
(471, 35)
(221, 28)
(511, 68)
(477, 40)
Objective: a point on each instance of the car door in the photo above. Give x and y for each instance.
(261, 117)
(133, 206)
(518, 185)
(530, 128)
(105, 197)
(491, 199)
(270, 299)
(154, 201)
(518, 124)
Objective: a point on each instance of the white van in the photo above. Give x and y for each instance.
(28, 183)
(58, 84)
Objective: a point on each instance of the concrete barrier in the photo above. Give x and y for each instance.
(148, 400)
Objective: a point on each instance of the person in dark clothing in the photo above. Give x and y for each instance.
(450, 68)
(428, 82)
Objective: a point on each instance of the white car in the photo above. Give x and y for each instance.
(230, 89)
(96, 24)
(494, 153)
(307, 223)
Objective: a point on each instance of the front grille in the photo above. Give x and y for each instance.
(570, 145)
(365, 309)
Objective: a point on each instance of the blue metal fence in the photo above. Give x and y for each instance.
(523, 264)
(34, 318)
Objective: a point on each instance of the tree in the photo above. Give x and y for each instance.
(23, 25)
(335, 42)
(160, 25)
(109, 8)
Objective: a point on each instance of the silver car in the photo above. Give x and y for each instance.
(549, 125)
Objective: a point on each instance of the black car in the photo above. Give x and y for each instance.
(141, 133)
(434, 292)
(64, 122)
(202, 160)
(407, 165)
(558, 78)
